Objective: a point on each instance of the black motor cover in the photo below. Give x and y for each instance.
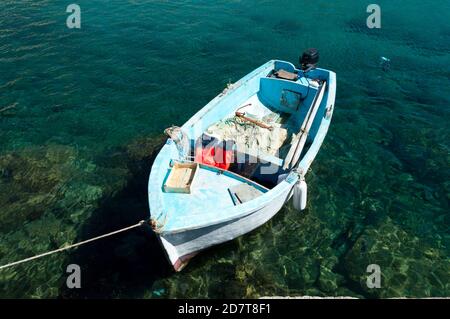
(309, 59)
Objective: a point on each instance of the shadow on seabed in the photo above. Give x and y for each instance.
(126, 264)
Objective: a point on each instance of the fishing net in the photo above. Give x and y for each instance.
(248, 136)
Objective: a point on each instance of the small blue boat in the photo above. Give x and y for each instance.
(234, 164)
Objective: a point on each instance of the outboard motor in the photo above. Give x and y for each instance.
(309, 59)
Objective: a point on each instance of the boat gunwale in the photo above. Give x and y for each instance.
(322, 130)
(245, 212)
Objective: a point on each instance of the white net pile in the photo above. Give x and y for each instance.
(249, 136)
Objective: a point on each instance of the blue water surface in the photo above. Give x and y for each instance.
(83, 110)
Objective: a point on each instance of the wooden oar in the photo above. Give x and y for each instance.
(294, 144)
(300, 140)
(295, 141)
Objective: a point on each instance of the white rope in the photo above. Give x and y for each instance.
(72, 246)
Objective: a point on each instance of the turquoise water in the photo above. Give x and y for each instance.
(87, 108)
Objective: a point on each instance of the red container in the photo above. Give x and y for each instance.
(216, 155)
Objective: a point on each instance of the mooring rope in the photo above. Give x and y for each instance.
(73, 245)
(158, 226)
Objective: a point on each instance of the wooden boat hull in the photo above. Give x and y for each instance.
(193, 222)
(182, 246)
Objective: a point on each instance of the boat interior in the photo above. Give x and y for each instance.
(238, 147)
(259, 130)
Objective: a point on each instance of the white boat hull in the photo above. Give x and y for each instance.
(189, 223)
(182, 246)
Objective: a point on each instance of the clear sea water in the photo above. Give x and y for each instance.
(87, 109)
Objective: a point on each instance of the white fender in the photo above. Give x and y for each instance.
(300, 195)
